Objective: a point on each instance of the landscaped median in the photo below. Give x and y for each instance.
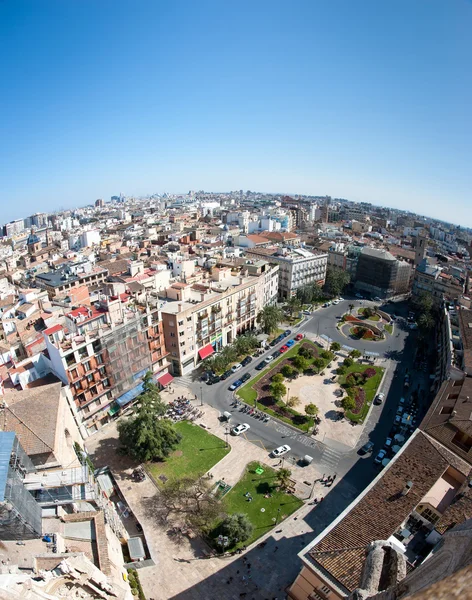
(257, 393)
(197, 452)
(361, 382)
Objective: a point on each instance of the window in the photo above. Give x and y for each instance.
(99, 359)
(182, 344)
(181, 333)
(462, 441)
(90, 378)
(74, 374)
(446, 410)
(102, 371)
(87, 366)
(189, 319)
(172, 334)
(106, 382)
(181, 323)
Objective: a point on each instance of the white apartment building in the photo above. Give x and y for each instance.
(298, 267)
(205, 317)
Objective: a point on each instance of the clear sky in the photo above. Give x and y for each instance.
(362, 99)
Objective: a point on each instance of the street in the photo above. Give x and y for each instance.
(395, 354)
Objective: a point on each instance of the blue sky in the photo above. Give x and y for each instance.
(364, 100)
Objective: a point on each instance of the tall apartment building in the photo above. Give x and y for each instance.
(104, 361)
(205, 317)
(14, 227)
(381, 274)
(298, 267)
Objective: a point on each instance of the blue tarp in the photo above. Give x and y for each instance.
(130, 395)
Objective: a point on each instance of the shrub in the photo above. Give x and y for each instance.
(288, 371)
(348, 403)
(368, 373)
(326, 355)
(348, 362)
(341, 370)
(278, 378)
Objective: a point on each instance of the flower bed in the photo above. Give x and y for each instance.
(362, 381)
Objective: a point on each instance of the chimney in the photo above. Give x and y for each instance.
(179, 307)
(202, 297)
(407, 488)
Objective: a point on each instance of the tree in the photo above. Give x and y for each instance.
(348, 403)
(355, 353)
(423, 302)
(300, 363)
(237, 528)
(188, 499)
(348, 362)
(146, 436)
(287, 371)
(425, 322)
(293, 401)
(305, 294)
(351, 306)
(305, 352)
(283, 477)
(244, 344)
(335, 347)
(278, 378)
(311, 410)
(326, 354)
(336, 280)
(269, 318)
(368, 312)
(278, 390)
(318, 363)
(293, 305)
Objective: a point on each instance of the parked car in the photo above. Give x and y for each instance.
(236, 367)
(226, 374)
(280, 451)
(366, 448)
(336, 301)
(287, 332)
(283, 349)
(306, 312)
(246, 361)
(299, 336)
(245, 377)
(235, 384)
(388, 442)
(274, 342)
(269, 358)
(380, 456)
(326, 304)
(214, 379)
(290, 343)
(206, 375)
(261, 365)
(275, 355)
(379, 398)
(239, 429)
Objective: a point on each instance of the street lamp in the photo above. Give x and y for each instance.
(201, 395)
(223, 542)
(277, 518)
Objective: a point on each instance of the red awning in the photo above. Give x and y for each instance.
(206, 351)
(165, 379)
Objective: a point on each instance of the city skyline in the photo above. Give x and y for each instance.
(368, 102)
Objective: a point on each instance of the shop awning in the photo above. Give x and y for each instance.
(114, 408)
(165, 379)
(206, 351)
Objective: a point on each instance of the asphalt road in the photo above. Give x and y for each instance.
(398, 348)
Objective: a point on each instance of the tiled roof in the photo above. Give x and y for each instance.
(381, 511)
(32, 415)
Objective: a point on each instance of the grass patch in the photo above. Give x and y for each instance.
(374, 317)
(247, 392)
(388, 328)
(197, 452)
(259, 485)
(370, 388)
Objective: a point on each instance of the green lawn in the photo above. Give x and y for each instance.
(197, 452)
(370, 387)
(372, 318)
(388, 328)
(258, 486)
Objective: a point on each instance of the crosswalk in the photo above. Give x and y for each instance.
(330, 458)
(290, 433)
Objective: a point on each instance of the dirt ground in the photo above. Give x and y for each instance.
(312, 389)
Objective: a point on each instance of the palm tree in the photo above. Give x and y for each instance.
(283, 477)
(269, 318)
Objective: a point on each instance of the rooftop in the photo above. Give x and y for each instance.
(383, 508)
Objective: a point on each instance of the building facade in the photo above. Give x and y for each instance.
(104, 363)
(379, 273)
(298, 267)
